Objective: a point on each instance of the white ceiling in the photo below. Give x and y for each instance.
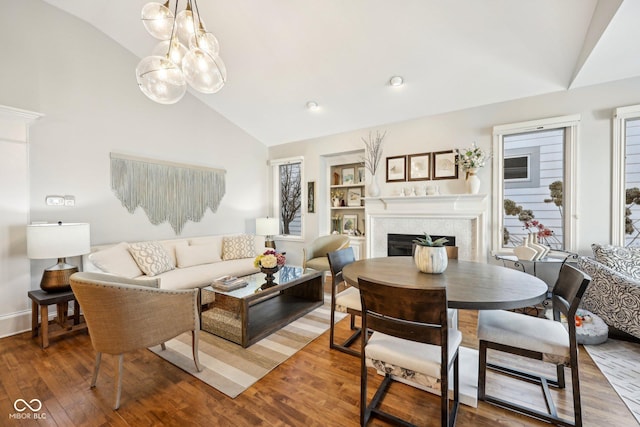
(453, 54)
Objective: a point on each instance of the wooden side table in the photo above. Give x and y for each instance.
(42, 299)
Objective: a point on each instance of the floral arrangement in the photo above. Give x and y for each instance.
(373, 152)
(471, 158)
(337, 194)
(269, 259)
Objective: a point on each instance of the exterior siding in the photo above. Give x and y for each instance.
(551, 146)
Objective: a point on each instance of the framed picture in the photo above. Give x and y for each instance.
(349, 224)
(348, 176)
(354, 195)
(361, 174)
(444, 165)
(396, 168)
(311, 196)
(419, 167)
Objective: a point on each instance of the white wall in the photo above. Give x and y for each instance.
(459, 129)
(84, 84)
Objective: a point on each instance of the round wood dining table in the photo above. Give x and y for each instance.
(470, 285)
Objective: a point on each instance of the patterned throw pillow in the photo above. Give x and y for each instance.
(238, 247)
(621, 259)
(151, 257)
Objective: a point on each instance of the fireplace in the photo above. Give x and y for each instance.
(402, 244)
(453, 215)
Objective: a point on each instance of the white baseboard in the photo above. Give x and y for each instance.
(15, 323)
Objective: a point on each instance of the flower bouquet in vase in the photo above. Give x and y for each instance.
(269, 263)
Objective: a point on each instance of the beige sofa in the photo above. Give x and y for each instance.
(178, 263)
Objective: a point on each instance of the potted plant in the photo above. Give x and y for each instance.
(430, 255)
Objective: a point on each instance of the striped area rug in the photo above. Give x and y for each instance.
(232, 369)
(619, 361)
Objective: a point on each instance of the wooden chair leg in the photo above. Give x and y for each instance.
(118, 381)
(194, 345)
(560, 374)
(96, 369)
(482, 369)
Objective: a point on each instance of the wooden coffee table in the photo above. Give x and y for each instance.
(245, 315)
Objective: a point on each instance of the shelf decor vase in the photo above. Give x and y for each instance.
(431, 259)
(373, 190)
(472, 181)
(269, 279)
(524, 252)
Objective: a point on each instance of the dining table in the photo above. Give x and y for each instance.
(470, 285)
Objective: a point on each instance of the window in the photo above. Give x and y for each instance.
(288, 195)
(626, 177)
(534, 168)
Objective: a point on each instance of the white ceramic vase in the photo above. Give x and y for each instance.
(472, 181)
(373, 190)
(431, 259)
(525, 252)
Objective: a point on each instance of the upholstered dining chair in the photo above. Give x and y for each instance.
(348, 300)
(315, 255)
(537, 338)
(124, 315)
(410, 338)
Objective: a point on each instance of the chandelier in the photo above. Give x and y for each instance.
(187, 53)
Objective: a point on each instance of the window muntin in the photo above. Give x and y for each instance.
(288, 195)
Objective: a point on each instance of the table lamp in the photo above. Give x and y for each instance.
(57, 240)
(268, 227)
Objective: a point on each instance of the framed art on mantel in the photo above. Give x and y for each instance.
(419, 167)
(396, 169)
(444, 165)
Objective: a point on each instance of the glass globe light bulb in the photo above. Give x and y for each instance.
(185, 26)
(158, 20)
(204, 72)
(176, 53)
(161, 80)
(205, 41)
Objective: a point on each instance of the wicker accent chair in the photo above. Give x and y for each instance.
(412, 340)
(539, 339)
(124, 315)
(315, 255)
(348, 299)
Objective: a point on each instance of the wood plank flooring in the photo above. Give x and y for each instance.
(316, 387)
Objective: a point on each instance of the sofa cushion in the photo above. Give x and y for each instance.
(204, 274)
(188, 255)
(623, 260)
(116, 260)
(237, 247)
(151, 257)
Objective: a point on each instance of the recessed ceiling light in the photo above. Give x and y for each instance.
(312, 105)
(396, 81)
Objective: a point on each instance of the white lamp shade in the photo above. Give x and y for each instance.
(61, 240)
(267, 226)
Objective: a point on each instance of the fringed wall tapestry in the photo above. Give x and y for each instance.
(167, 191)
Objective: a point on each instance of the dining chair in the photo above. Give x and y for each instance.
(540, 339)
(411, 339)
(347, 301)
(123, 317)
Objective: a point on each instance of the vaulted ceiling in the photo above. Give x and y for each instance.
(452, 54)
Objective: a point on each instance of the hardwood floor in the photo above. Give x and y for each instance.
(315, 387)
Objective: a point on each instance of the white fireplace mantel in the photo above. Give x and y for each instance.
(462, 215)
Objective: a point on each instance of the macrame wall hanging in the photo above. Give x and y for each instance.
(167, 191)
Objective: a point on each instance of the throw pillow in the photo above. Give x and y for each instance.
(151, 257)
(621, 259)
(238, 247)
(188, 256)
(116, 260)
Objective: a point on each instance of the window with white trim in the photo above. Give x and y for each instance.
(625, 210)
(534, 182)
(288, 195)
